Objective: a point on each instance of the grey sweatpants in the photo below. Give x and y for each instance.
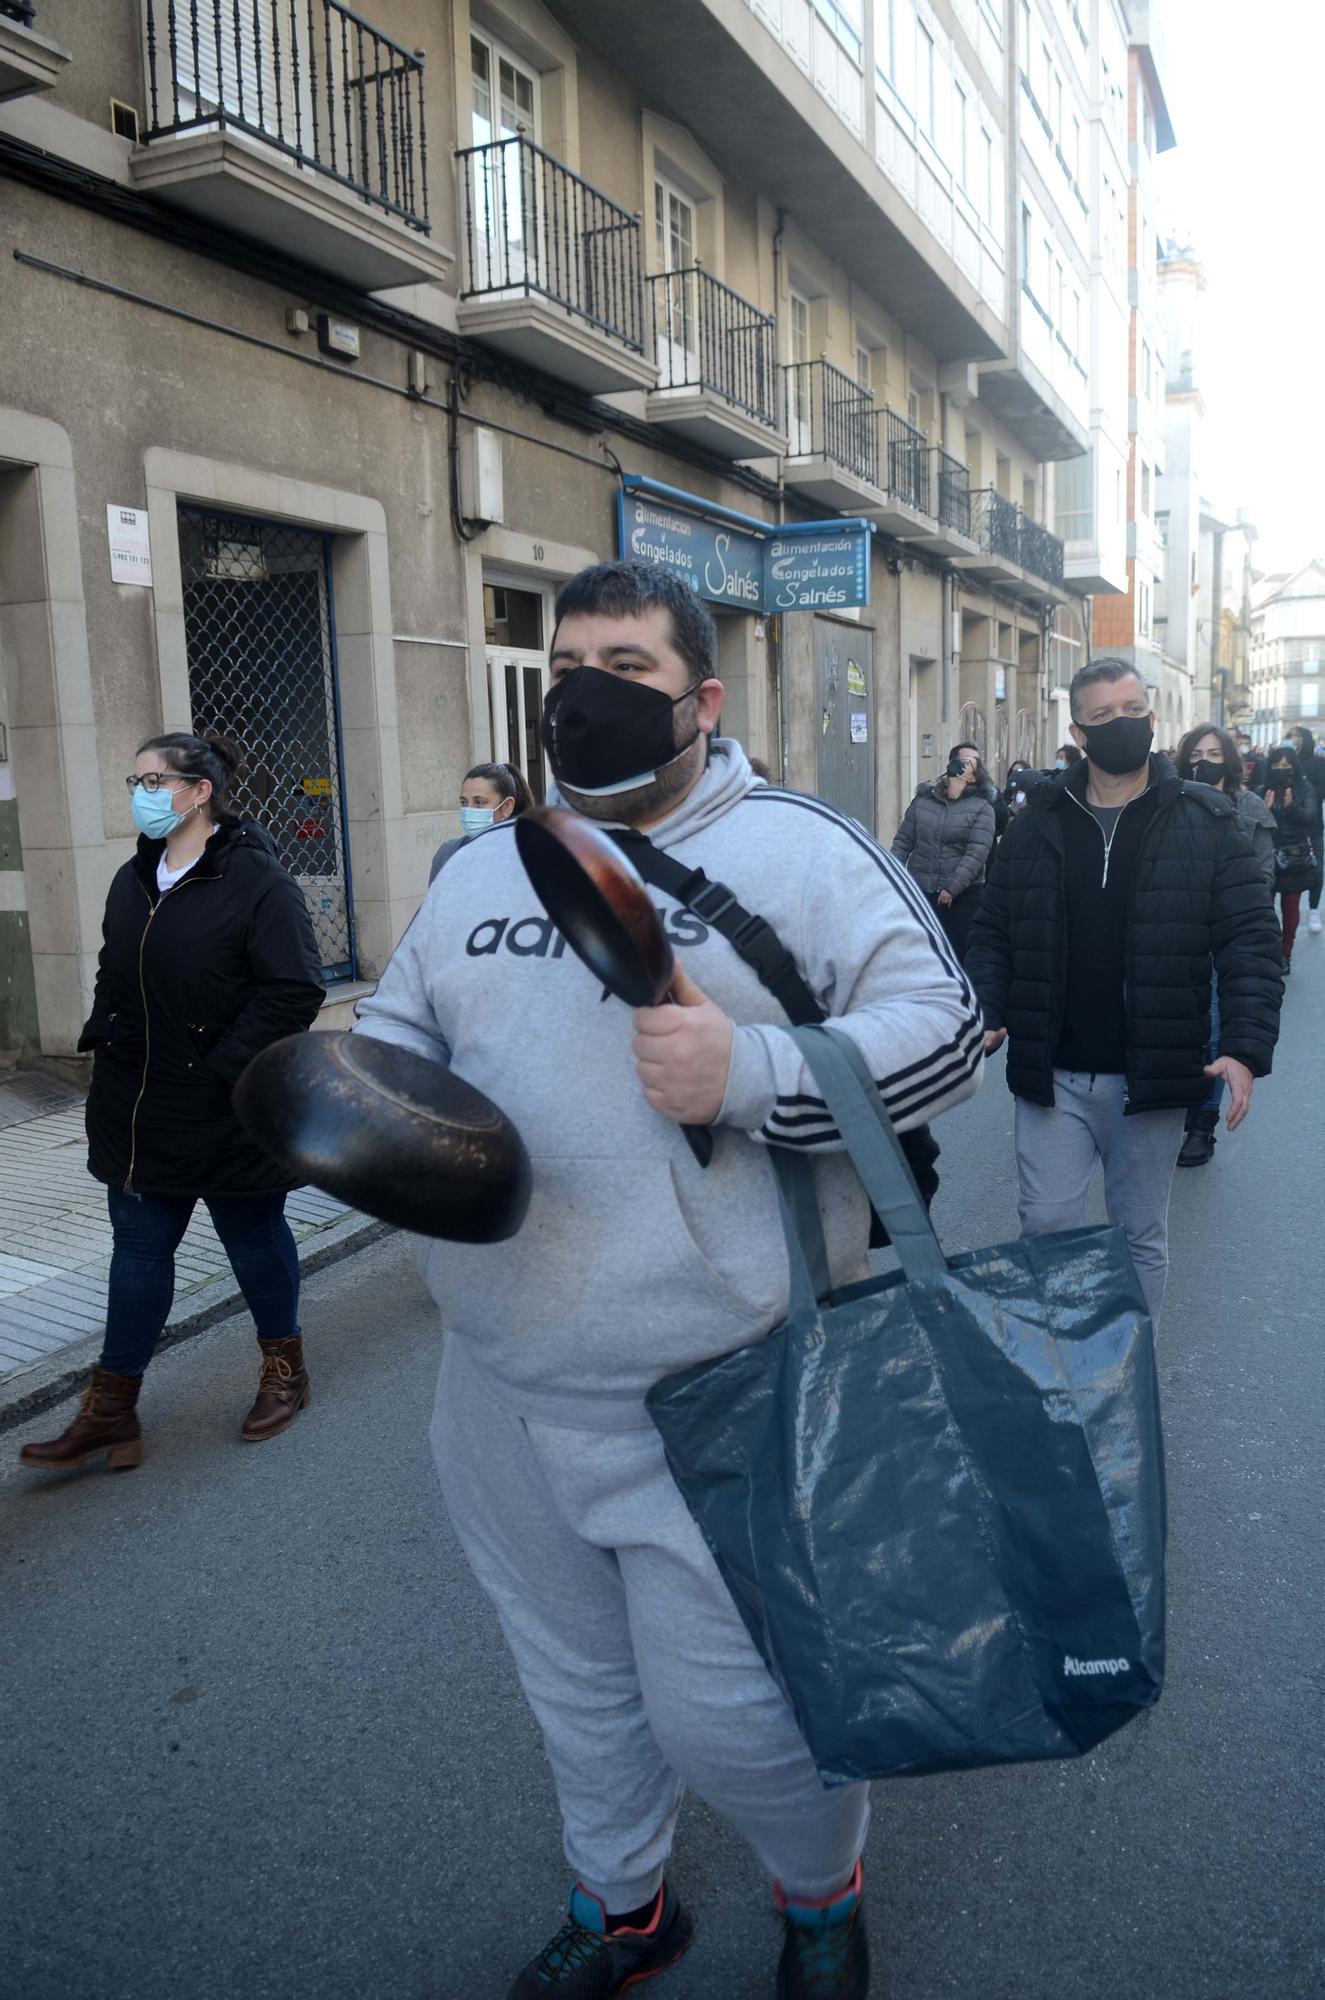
(1059, 1149)
(630, 1651)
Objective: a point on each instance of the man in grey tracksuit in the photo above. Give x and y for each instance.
(634, 1262)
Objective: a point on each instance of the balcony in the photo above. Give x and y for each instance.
(907, 503)
(716, 372)
(296, 124)
(29, 62)
(1012, 551)
(1041, 552)
(950, 496)
(551, 269)
(832, 438)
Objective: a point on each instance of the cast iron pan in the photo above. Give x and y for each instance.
(604, 911)
(390, 1132)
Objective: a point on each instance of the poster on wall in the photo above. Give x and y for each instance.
(860, 726)
(130, 548)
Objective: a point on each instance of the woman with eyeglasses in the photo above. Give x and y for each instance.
(208, 957)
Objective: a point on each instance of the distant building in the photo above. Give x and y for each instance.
(1286, 652)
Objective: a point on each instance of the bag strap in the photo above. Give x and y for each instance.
(853, 1099)
(752, 939)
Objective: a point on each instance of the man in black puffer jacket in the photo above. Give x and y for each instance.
(1111, 896)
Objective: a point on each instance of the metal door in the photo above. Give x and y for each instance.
(844, 673)
(260, 635)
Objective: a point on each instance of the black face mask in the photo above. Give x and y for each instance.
(606, 733)
(1279, 782)
(1205, 773)
(956, 769)
(1121, 746)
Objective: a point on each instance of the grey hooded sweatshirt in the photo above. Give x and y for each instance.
(633, 1261)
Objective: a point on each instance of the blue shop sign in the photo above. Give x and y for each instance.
(735, 560)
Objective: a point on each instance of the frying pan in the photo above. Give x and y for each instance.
(390, 1132)
(604, 911)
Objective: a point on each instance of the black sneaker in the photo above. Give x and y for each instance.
(586, 1961)
(825, 1953)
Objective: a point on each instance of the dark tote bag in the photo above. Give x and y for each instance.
(936, 1497)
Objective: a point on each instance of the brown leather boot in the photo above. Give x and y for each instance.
(107, 1421)
(282, 1389)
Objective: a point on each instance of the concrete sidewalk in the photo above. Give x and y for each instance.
(55, 1246)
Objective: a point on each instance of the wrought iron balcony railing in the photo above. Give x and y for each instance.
(706, 336)
(830, 416)
(21, 11)
(531, 225)
(952, 492)
(907, 462)
(309, 77)
(996, 523)
(1041, 551)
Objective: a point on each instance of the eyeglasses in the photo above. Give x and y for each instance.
(152, 781)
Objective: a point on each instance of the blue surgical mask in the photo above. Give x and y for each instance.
(1060, 764)
(154, 812)
(474, 819)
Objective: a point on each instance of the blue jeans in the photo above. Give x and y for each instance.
(148, 1230)
(1216, 1097)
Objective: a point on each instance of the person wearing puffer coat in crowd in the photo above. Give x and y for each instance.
(946, 839)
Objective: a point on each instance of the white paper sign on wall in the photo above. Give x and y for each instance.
(130, 549)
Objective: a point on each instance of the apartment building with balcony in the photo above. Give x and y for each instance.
(1286, 654)
(339, 337)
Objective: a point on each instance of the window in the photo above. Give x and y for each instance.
(1143, 614)
(989, 177)
(1026, 39)
(1145, 488)
(1074, 150)
(871, 363)
(800, 394)
(1309, 701)
(674, 228)
(505, 93)
(799, 311)
(925, 82)
(1145, 369)
(1025, 245)
(962, 162)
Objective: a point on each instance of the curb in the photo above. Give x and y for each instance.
(29, 1392)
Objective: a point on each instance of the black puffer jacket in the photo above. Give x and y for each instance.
(1197, 894)
(190, 985)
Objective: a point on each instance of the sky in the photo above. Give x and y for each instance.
(1244, 186)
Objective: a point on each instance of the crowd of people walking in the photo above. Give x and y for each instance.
(1112, 919)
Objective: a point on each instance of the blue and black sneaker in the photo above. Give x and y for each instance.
(825, 1953)
(587, 1961)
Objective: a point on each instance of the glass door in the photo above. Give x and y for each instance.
(514, 624)
(507, 186)
(800, 389)
(678, 317)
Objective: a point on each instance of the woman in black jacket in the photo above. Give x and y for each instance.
(1293, 802)
(208, 957)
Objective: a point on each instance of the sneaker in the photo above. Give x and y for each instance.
(1288, 967)
(586, 1961)
(825, 1953)
(1313, 923)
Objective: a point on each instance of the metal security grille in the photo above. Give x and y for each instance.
(260, 636)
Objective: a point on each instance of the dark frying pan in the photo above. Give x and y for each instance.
(604, 911)
(390, 1132)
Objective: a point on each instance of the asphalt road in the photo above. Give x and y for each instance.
(260, 1736)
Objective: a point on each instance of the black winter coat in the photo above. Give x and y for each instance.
(190, 985)
(1197, 894)
(1297, 836)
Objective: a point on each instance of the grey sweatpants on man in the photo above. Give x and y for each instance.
(1059, 1148)
(630, 1651)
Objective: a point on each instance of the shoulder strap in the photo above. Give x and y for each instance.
(751, 938)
